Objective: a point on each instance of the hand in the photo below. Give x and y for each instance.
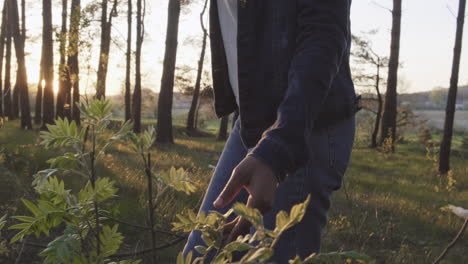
(260, 182)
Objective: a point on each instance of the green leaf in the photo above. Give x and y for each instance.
(26, 219)
(259, 255)
(250, 214)
(42, 176)
(20, 226)
(282, 219)
(178, 180)
(54, 191)
(104, 190)
(32, 208)
(180, 258)
(296, 260)
(110, 240)
(2, 222)
(62, 134)
(237, 246)
(67, 161)
(285, 221)
(18, 236)
(298, 211)
(63, 249)
(201, 249)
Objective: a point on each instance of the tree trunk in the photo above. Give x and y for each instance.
(446, 143)
(128, 112)
(137, 91)
(390, 107)
(191, 120)
(106, 26)
(164, 127)
(21, 76)
(73, 64)
(2, 53)
(379, 108)
(63, 75)
(48, 49)
(23, 21)
(223, 128)
(38, 106)
(7, 87)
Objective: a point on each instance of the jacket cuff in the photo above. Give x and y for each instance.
(275, 155)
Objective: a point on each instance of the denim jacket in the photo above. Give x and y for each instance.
(294, 75)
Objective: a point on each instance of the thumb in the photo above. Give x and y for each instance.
(230, 191)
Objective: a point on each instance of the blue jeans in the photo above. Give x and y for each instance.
(330, 151)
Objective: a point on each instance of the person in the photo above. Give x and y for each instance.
(283, 65)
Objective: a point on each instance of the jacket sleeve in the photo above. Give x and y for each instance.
(323, 30)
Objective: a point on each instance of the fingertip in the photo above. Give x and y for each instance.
(218, 204)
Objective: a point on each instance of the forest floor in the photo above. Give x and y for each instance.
(389, 208)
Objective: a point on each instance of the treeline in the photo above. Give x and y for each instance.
(75, 19)
(15, 102)
(371, 71)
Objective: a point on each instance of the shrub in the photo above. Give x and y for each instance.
(256, 247)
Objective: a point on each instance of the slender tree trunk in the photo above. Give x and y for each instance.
(128, 112)
(390, 108)
(48, 49)
(446, 143)
(73, 63)
(23, 21)
(106, 25)
(223, 128)
(38, 106)
(191, 120)
(21, 76)
(2, 53)
(7, 87)
(63, 75)
(164, 126)
(99, 82)
(137, 91)
(379, 108)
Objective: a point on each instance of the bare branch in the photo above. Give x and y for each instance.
(454, 241)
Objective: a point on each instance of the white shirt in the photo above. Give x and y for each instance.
(227, 10)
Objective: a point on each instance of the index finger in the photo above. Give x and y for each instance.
(230, 191)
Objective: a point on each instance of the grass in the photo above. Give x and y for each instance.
(389, 207)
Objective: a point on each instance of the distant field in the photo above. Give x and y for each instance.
(436, 118)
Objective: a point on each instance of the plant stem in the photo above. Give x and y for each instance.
(151, 207)
(454, 241)
(93, 184)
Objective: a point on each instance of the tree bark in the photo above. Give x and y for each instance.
(223, 128)
(191, 120)
(38, 106)
(164, 126)
(106, 26)
(137, 91)
(23, 21)
(128, 112)
(7, 87)
(2, 53)
(63, 75)
(379, 108)
(73, 63)
(48, 60)
(446, 143)
(21, 76)
(390, 107)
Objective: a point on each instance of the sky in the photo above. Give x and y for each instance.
(427, 40)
